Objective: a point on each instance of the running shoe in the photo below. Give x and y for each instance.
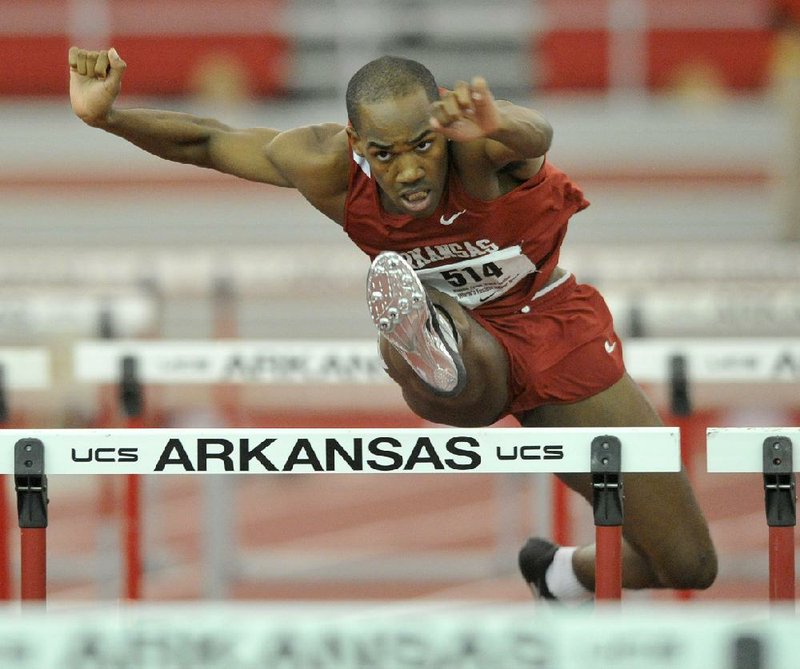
(405, 316)
(534, 559)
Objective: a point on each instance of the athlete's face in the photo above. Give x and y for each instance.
(407, 158)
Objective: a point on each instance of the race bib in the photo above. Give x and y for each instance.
(480, 280)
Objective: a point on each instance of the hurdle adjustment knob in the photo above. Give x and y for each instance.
(780, 496)
(30, 483)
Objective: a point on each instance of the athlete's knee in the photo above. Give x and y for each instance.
(690, 567)
(453, 411)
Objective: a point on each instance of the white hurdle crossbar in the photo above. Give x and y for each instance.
(339, 450)
(232, 361)
(604, 453)
(726, 360)
(25, 367)
(740, 449)
(768, 451)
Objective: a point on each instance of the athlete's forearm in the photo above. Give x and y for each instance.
(170, 135)
(523, 131)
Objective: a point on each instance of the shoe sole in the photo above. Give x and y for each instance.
(401, 311)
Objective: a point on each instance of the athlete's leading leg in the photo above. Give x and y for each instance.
(451, 370)
(666, 538)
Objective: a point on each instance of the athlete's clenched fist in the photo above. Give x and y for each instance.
(95, 78)
(467, 112)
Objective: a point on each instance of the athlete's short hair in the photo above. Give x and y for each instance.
(387, 77)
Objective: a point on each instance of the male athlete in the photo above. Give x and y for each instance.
(451, 196)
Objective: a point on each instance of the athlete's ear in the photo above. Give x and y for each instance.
(354, 140)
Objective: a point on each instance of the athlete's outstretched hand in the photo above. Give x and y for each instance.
(468, 112)
(95, 79)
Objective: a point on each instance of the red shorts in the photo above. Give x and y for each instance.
(564, 349)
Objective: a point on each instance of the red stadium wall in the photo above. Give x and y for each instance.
(578, 59)
(33, 64)
(741, 57)
(573, 59)
(264, 58)
(731, 40)
(168, 41)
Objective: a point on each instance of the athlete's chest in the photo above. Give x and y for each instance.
(460, 218)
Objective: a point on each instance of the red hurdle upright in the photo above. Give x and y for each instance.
(769, 451)
(132, 403)
(780, 505)
(31, 487)
(606, 465)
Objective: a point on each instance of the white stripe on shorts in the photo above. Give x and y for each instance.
(551, 286)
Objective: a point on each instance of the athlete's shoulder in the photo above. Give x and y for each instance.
(309, 141)
(328, 136)
(316, 152)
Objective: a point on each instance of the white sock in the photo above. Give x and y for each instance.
(561, 580)
(384, 366)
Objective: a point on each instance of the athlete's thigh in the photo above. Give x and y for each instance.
(623, 404)
(662, 517)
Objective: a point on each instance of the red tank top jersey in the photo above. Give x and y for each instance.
(490, 255)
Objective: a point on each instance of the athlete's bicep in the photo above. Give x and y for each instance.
(243, 153)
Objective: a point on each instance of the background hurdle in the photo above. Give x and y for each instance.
(442, 450)
(684, 366)
(385, 634)
(769, 451)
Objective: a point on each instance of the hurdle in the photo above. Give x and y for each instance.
(397, 635)
(382, 634)
(768, 451)
(227, 363)
(237, 361)
(676, 363)
(21, 369)
(679, 364)
(682, 364)
(726, 360)
(605, 454)
(128, 365)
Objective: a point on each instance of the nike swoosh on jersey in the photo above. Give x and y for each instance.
(451, 219)
(610, 346)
